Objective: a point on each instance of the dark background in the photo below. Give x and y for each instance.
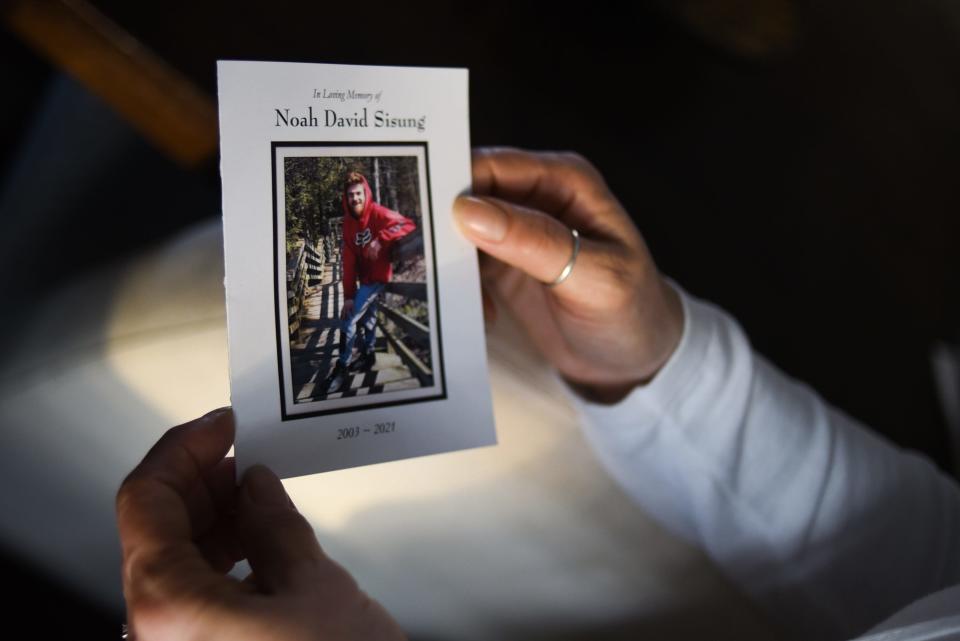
(795, 162)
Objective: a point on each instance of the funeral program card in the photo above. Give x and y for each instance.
(353, 304)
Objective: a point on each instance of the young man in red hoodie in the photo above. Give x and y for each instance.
(368, 231)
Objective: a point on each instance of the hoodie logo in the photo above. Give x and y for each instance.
(363, 237)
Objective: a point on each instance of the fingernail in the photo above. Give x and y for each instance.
(217, 412)
(263, 487)
(207, 419)
(221, 410)
(480, 218)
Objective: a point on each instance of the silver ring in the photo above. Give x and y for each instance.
(573, 259)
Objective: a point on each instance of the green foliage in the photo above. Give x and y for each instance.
(417, 310)
(313, 191)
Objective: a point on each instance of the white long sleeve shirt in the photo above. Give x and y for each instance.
(827, 525)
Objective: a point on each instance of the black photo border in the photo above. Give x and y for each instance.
(284, 416)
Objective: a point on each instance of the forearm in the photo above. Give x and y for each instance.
(398, 227)
(814, 516)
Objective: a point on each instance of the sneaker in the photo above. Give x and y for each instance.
(364, 362)
(337, 378)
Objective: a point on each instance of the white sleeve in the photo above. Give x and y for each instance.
(825, 524)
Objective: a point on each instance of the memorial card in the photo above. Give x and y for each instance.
(353, 303)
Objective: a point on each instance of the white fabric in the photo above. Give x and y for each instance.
(825, 524)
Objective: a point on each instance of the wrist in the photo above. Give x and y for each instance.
(666, 331)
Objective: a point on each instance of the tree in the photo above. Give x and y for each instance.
(313, 190)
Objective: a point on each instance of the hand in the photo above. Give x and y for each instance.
(183, 523)
(347, 309)
(372, 250)
(615, 321)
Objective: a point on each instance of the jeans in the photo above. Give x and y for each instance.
(364, 315)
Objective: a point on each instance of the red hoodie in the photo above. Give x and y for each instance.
(378, 222)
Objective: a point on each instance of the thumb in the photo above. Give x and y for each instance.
(529, 240)
(277, 540)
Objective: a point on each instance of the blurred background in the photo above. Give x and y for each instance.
(796, 162)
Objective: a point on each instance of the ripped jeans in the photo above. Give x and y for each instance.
(364, 315)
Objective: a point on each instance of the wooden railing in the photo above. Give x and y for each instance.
(407, 334)
(303, 271)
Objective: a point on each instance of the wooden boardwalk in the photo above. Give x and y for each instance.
(314, 355)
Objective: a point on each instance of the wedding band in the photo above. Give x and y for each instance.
(573, 259)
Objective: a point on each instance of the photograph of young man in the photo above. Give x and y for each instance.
(369, 230)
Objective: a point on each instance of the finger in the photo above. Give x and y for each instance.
(220, 545)
(491, 269)
(489, 307)
(221, 483)
(214, 498)
(160, 559)
(152, 509)
(531, 241)
(278, 541)
(564, 185)
(215, 528)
